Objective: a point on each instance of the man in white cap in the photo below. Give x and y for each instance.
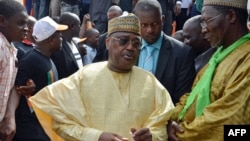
(111, 100)
(37, 65)
(221, 92)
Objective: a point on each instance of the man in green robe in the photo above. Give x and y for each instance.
(112, 100)
(221, 92)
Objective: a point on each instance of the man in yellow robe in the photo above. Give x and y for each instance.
(221, 91)
(109, 101)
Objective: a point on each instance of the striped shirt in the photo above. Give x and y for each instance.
(8, 72)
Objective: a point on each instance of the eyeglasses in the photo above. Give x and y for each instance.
(125, 42)
(204, 24)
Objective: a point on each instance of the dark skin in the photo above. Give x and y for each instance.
(222, 31)
(14, 29)
(121, 59)
(8, 125)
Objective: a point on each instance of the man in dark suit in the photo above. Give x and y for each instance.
(68, 60)
(172, 62)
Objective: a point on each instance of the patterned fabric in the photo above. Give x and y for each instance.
(230, 99)
(125, 23)
(118, 103)
(231, 3)
(8, 72)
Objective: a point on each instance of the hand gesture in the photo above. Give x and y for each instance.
(141, 134)
(27, 90)
(172, 128)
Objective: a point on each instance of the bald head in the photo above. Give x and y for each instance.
(73, 22)
(193, 36)
(68, 18)
(179, 35)
(114, 11)
(193, 22)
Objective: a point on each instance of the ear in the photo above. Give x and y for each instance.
(3, 21)
(162, 19)
(232, 16)
(107, 43)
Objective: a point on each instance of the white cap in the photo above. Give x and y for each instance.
(45, 27)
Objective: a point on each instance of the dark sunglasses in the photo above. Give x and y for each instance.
(126, 41)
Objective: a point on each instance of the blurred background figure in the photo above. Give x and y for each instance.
(193, 37)
(178, 35)
(28, 42)
(91, 43)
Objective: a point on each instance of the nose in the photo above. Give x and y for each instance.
(130, 45)
(203, 30)
(149, 29)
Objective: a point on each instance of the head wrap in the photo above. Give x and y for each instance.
(127, 22)
(242, 4)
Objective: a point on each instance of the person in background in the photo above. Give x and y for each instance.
(184, 14)
(99, 15)
(196, 7)
(70, 6)
(194, 38)
(169, 9)
(84, 8)
(68, 60)
(37, 65)
(54, 8)
(91, 43)
(123, 89)
(28, 42)
(178, 35)
(13, 20)
(102, 52)
(41, 8)
(28, 4)
(221, 93)
(171, 61)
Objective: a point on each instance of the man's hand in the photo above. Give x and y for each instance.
(172, 128)
(28, 89)
(105, 136)
(7, 129)
(141, 134)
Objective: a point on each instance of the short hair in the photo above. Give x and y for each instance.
(68, 18)
(147, 5)
(115, 8)
(9, 8)
(89, 32)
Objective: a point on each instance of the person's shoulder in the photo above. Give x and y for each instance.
(175, 45)
(95, 67)
(142, 72)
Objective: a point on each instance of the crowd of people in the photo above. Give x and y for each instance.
(115, 70)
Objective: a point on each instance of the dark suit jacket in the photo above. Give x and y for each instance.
(102, 52)
(176, 67)
(64, 60)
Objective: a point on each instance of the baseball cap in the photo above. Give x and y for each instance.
(45, 27)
